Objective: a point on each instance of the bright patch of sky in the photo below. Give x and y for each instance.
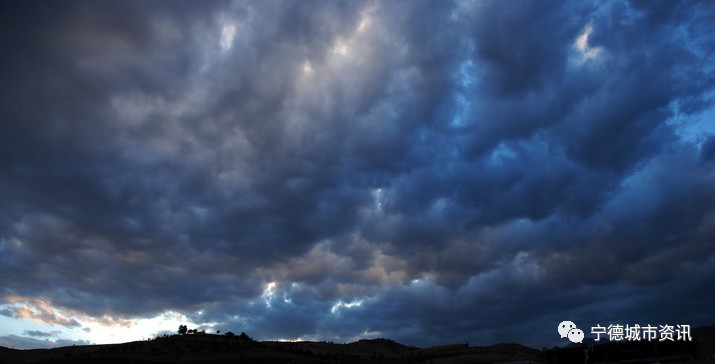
(377, 197)
(583, 50)
(268, 293)
(338, 305)
(228, 33)
(587, 51)
(97, 331)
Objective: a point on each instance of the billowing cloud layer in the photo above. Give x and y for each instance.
(431, 172)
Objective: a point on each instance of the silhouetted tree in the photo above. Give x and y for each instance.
(245, 337)
(230, 334)
(182, 329)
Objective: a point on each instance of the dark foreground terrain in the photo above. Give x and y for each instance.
(206, 348)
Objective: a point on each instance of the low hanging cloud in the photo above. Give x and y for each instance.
(15, 341)
(38, 333)
(430, 172)
(37, 310)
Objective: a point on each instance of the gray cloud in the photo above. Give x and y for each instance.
(38, 333)
(22, 342)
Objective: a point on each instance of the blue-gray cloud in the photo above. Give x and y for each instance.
(23, 342)
(428, 172)
(38, 333)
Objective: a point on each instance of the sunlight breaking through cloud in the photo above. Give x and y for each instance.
(587, 52)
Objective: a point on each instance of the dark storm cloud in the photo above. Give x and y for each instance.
(708, 150)
(430, 172)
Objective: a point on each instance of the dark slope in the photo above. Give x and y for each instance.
(222, 349)
(204, 348)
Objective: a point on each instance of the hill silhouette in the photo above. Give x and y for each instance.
(208, 348)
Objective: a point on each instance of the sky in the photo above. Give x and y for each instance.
(432, 172)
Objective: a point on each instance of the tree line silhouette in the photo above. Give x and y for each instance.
(184, 330)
